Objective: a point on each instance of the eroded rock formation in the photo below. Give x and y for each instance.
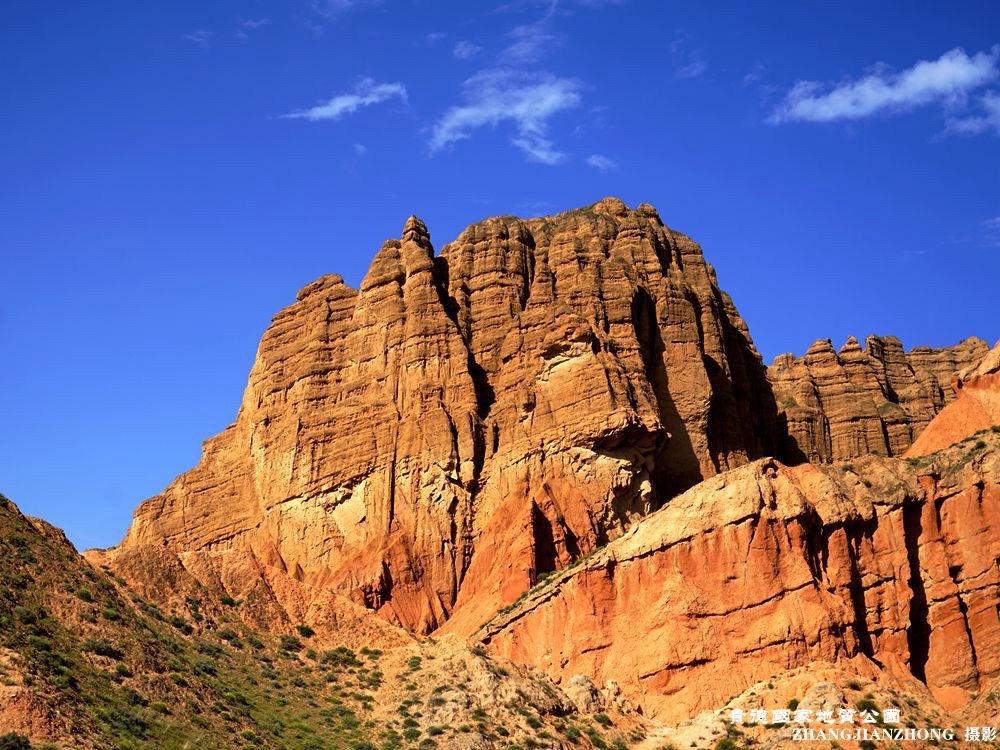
(463, 422)
(767, 568)
(976, 408)
(838, 405)
(430, 443)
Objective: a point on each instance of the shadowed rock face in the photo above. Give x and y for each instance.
(840, 405)
(463, 422)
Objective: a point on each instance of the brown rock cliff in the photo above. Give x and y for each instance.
(767, 568)
(463, 422)
(838, 405)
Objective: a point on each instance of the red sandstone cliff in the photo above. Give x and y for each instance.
(462, 422)
(428, 445)
(838, 405)
(767, 568)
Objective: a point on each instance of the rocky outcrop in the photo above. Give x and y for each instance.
(838, 405)
(767, 568)
(434, 440)
(976, 408)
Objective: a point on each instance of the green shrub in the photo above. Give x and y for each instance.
(209, 649)
(603, 719)
(290, 643)
(204, 666)
(340, 657)
(14, 741)
(228, 601)
(181, 624)
(867, 703)
(793, 704)
(305, 631)
(102, 647)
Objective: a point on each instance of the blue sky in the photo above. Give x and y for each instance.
(173, 172)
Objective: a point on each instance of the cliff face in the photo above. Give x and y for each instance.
(976, 408)
(767, 568)
(836, 406)
(464, 422)
(543, 396)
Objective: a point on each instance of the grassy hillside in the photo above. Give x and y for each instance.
(86, 663)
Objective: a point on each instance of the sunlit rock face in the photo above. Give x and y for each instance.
(885, 564)
(837, 405)
(430, 442)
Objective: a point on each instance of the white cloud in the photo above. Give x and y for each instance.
(528, 43)
(693, 69)
(688, 61)
(360, 149)
(991, 232)
(366, 93)
(947, 81)
(465, 50)
(525, 100)
(333, 7)
(435, 36)
(755, 75)
(602, 163)
(200, 36)
(250, 24)
(978, 124)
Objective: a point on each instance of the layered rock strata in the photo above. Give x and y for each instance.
(463, 422)
(768, 568)
(838, 405)
(976, 408)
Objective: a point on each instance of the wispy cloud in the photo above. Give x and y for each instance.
(602, 163)
(947, 81)
(688, 60)
(244, 27)
(693, 69)
(530, 41)
(435, 36)
(360, 149)
(366, 93)
(199, 36)
(528, 44)
(335, 7)
(754, 75)
(988, 120)
(527, 101)
(991, 231)
(464, 50)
